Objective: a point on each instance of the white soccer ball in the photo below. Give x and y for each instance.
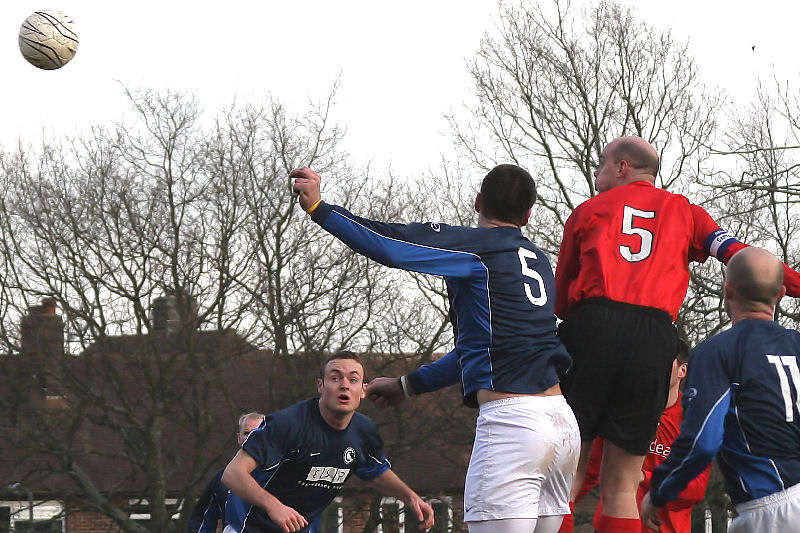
(47, 39)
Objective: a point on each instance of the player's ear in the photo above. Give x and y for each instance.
(526, 218)
(478, 203)
(682, 370)
(319, 386)
(363, 390)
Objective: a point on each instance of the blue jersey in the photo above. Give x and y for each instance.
(304, 462)
(502, 297)
(210, 507)
(741, 405)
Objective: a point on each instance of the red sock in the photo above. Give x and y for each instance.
(568, 523)
(612, 524)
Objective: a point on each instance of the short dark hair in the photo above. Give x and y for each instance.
(342, 354)
(683, 352)
(507, 193)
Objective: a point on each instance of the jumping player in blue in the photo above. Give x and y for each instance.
(507, 355)
(741, 405)
(291, 468)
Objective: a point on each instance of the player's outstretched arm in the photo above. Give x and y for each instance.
(306, 185)
(237, 478)
(389, 484)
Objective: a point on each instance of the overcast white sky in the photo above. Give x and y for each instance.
(401, 63)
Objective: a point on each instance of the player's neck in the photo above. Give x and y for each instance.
(739, 313)
(484, 222)
(335, 420)
(672, 396)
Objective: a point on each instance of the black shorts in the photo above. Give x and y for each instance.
(622, 360)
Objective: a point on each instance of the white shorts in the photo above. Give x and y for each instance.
(779, 512)
(523, 460)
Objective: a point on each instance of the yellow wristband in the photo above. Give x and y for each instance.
(314, 207)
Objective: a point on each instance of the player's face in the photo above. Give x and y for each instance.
(606, 173)
(248, 426)
(342, 386)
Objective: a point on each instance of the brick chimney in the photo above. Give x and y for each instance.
(165, 318)
(42, 330)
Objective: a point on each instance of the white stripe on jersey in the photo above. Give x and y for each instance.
(719, 240)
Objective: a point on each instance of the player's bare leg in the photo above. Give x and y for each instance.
(620, 473)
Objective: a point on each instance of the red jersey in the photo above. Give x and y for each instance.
(633, 244)
(676, 516)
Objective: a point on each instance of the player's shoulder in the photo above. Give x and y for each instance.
(362, 422)
(296, 413)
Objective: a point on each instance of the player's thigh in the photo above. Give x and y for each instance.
(505, 525)
(543, 524)
(554, 496)
(517, 443)
(636, 403)
(590, 335)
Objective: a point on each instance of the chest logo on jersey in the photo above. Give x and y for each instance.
(436, 227)
(659, 449)
(328, 473)
(349, 456)
(689, 394)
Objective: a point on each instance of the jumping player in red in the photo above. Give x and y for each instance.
(621, 278)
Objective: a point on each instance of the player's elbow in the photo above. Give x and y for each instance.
(229, 476)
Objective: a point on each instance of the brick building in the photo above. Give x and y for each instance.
(83, 435)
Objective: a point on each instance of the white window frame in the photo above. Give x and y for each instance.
(401, 517)
(143, 502)
(338, 502)
(42, 510)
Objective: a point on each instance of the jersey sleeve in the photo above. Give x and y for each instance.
(567, 266)
(269, 443)
(711, 240)
(432, 248)
(706, 400)
(375, 462)
(439, 374)
(693, 494)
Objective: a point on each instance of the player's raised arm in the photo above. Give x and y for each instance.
(238, 479)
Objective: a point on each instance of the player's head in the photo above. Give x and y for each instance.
(247, 423)
(680, 365)
(753, 281)
(507, 195)
(342, 383)
(624, 160)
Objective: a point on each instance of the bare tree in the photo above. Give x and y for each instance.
(110, 223)
(552, 86)
(758, 184)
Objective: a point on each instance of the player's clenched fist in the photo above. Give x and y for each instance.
(306, 185)
(385, 392)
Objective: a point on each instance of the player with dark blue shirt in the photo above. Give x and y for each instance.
(741, 405)
(210, 507)
(291, 468)
(507, 354)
